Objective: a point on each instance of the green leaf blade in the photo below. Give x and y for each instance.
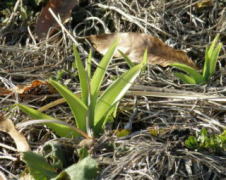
(190, 71)
(86, 169)
(98, 76)
(213, 60)
(39, 168)
(78, 108)
(115, 92)
(59, 129)
(127, 59)
(211, 56)
(82, 74)
(185, 78)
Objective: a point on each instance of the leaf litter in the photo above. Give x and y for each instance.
(162, 102)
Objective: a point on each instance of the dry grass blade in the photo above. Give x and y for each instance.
(134, 45)
(6, 125)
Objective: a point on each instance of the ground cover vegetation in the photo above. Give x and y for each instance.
(73, 107)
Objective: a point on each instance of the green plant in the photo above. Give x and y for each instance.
(95, 108)
(215, 143)
(41, 169)
(192, 76)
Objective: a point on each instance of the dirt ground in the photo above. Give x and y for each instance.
(173, 109)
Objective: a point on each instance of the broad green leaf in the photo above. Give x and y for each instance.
(86, 169)
(78, 108)
(38, 166)
(127, 59)
(114, 93)
(110, 116)
(82, 75)
(190, 71)
(59, 129)
(101, 70)
(185, 78)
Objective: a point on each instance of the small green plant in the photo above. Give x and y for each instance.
(215, 143)
(41, 169)
(94, 108)
(192, 76)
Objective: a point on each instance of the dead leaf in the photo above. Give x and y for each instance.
(6, 125)
(24, 89)
(134, 45)
(46, 21)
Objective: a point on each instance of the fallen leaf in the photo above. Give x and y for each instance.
(6, 125)
(24, 89)
(134, 45)
(46, 21)
(4, 91)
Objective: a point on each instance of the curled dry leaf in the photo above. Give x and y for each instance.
(24, 89)
(6, 125)
(134, 45)
(46, 21)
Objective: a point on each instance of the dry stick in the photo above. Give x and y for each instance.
(8, 157)
(8, 147)
(62, 26)
(106, 30)
(67, 32)
(197, 96)
(8, 172)
(13, 14)
(211, 121)
(132, 19)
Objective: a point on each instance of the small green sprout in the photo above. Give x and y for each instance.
(215, 143)
(192, 76)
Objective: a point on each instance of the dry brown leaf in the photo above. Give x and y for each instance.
(6, 125)
(46, 21)
(23, 89)
(134, 45)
